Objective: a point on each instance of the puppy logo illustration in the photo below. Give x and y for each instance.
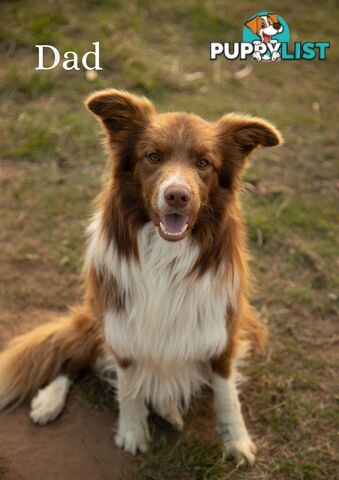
(266, 31)
(266, 38)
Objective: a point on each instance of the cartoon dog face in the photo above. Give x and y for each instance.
(265, 26)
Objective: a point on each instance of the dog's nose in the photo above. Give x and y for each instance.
(177, 196)
(277, 25)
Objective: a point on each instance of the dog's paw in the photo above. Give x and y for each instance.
(133, 438)
(172, 416)
(257, 56)
(275, 56)
(49, 402)
(242, 450)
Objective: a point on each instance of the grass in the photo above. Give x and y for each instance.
(97, 393)
(188, 458)
(52, 166)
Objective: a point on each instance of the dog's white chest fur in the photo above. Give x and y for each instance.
(173, 321)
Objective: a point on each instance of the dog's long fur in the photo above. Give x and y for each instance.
(33, 359)
(169, 316)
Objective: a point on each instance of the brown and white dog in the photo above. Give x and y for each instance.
(166, 277)
(265, 26)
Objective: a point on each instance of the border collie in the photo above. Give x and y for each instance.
(166, 277)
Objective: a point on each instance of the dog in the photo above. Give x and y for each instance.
(265, 26)
(166, 277)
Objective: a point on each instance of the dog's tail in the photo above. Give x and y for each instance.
(35, 358)
(253, 332)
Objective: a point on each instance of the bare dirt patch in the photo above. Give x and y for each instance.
(78, 445)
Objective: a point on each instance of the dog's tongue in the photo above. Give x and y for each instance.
(266, 37)
(174, 223)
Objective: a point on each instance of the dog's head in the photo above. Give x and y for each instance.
(178, 162)
(265, 26)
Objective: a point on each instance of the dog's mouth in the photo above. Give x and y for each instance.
(173, 226)
(266, 37)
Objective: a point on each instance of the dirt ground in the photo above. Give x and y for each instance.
(78, 445)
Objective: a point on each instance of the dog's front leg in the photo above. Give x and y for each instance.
(275, 55)
(256, 55)
(229, 420)
(133, 432)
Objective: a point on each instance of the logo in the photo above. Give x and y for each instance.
(266, 31)
(266, 38)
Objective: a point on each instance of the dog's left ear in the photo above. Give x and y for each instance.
(238, 136)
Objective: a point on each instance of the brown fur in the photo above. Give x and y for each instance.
(133, 130)
(244, 331)
(33, 359)
(217, 226)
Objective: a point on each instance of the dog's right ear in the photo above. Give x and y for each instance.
(253, 24)
(120, 111)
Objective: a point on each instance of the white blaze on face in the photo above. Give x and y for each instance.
(265, 19)
(173, 224)
(176, 179)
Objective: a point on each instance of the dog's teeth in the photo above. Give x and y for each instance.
(162, 227)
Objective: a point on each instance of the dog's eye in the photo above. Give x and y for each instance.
(154, 157)
(263, 24)
(202, 163)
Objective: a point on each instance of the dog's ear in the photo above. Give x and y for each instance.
(253, 24)
(273, 17)
(120, 111)
(238, 136)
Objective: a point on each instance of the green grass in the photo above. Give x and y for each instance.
(51, 144)
(189, 458)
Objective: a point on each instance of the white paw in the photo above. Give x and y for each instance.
(45, 408)
(242, 450)
(257, 56)
(49, 402)
(275, 56)
(133, 438)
